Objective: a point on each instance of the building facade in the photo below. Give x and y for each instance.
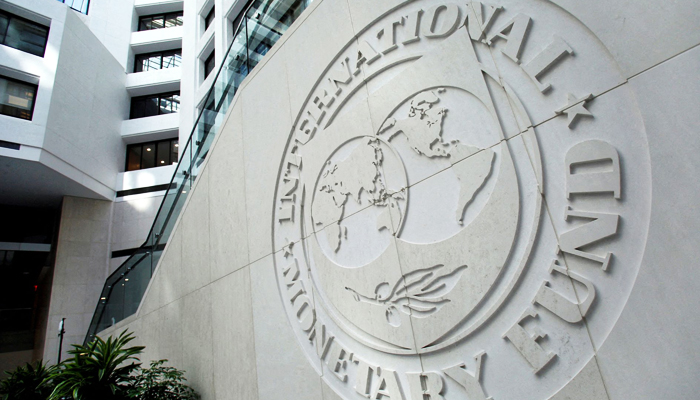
(397, 199)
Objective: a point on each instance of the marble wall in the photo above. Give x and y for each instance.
(546, 150)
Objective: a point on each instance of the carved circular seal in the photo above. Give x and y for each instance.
(440, 235)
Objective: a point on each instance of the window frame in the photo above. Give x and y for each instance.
(172, 142)
(160, 97)
(10, 17)
(36, 91)
(163, 16)
(162, 55)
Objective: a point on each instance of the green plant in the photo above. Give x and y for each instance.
(160, 383)
(29, 382)
(98, 371)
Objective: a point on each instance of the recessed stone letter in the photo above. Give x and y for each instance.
(477, 22)
(449, 13)
(558, 304)
(513, 32)
(545, 59)
(425, 386)
(471, 383)
(527, 345)
(602, 226)
(592, 153)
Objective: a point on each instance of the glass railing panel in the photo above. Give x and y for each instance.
(134, 284)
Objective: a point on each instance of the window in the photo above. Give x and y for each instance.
(159, 21)
(160, 60)
(209, 64)
(157, 104)
(151, 154)
(22, 34)
(17, 98)
(209, 19)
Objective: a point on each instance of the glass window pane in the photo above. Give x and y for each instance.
(145, 23)
(158, 22)
(172, 59)
(16, 98)
(148, 159)
(163, 153)
(209, 64)
(173, 19)
(153, 62)
(26, 36)
(133, 157)
(166, 105)
(138, 108)
(209, 18)
(147, 62)
(151, 106)
(4, 21)
(174, 147)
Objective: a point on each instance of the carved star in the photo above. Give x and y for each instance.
(288, 249)
(575, 108)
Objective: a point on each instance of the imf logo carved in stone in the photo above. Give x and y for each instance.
(439, 235)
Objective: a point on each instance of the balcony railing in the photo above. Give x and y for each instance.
(80, 6)
(262, 24)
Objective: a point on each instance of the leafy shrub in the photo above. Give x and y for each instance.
(29, 382)
(160, 383)
(97, 371)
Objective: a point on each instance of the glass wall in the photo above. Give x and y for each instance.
(262, 24)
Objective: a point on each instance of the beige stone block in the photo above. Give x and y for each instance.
(196, 270)
(235, 368)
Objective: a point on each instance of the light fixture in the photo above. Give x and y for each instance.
(126, 279)
(177, 145)
(148, 149)
(162, 162)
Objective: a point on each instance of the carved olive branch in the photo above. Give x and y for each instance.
(419, 294)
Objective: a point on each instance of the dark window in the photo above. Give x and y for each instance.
(17, 98)
(159, 21)
(209, 19)
(209, 64)
(156, 104)
(159, 60)
(23, 34)
(151, 154)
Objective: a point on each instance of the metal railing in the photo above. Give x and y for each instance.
(80, 6)
(262, 24)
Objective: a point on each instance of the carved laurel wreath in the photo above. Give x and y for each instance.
(418, 294)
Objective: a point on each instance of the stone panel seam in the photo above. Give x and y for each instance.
(662, 62)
